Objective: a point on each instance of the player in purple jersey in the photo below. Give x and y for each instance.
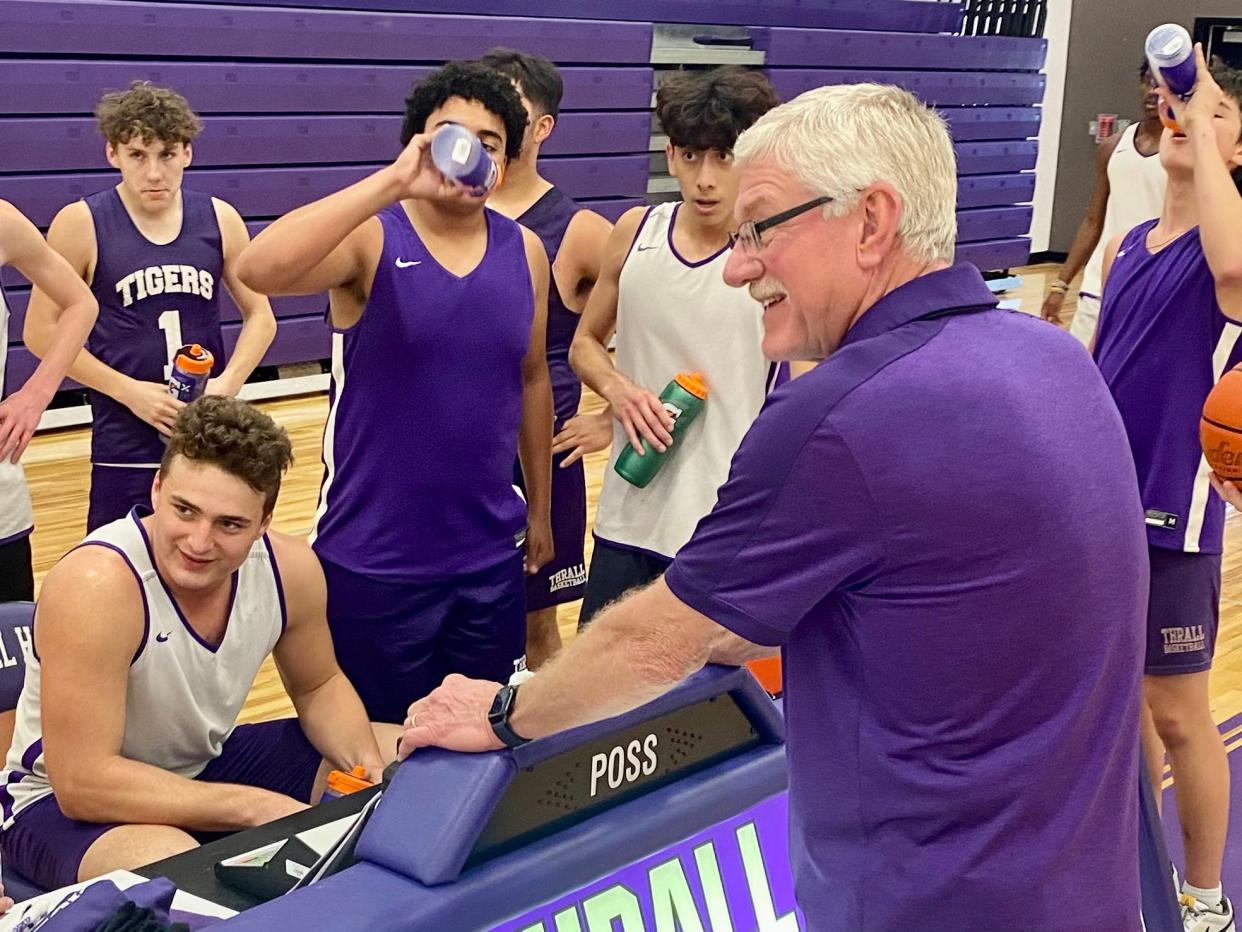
(155, 256)
(440, 383)
(22, 247)
(574, 239)
(954, 595)
(1169, 327)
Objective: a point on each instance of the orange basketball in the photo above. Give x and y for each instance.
(1220, 428)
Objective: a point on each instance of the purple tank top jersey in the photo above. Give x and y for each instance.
(426, 403)
(548, 218)
(1161, 346)
(152, 300)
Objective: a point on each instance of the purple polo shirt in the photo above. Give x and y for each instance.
(941, 527)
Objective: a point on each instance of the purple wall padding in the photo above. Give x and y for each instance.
(994, 190)
(974, 123)
(994, 158)
(993, 223)
(847, 49)
(887, 15)
(996, 254)
(123, 28)
(70, 144)
(940, 88)
(63, 86)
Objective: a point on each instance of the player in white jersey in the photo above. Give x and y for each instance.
(147, 639)
(1129, 188)
(661, 289)
(73, 309)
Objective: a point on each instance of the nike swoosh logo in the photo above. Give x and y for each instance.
(402, 264)
(645, 248)
(162, 637)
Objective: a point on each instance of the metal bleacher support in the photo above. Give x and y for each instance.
(300, 97)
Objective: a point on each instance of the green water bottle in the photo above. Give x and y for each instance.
(683, 398)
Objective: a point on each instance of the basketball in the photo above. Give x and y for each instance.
(1220, 427)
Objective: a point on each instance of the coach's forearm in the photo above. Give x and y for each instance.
(636, 650)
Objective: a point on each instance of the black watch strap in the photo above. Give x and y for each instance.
(498, 717)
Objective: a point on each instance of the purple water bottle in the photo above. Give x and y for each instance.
(190, 371)
(1171, 54)
(459, 156)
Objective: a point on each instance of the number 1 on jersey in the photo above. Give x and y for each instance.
(170, 323)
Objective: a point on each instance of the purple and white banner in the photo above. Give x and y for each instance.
(731, 877)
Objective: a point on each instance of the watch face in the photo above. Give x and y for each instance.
(500, 705)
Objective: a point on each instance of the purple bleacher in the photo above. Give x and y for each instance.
(74, 87)
(270, 192)
(848, 49)
(991, 255)
(974, 123)
(101, 27)
(939, 88)
(297, 340)
(994, 190)
(74, 144)
(994, 158)
(888, 15)
(984, 223)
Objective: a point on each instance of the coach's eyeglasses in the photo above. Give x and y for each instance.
(749, 235)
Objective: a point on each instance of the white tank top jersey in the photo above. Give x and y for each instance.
(1136, 193)
(184, 696)
(16, 511)
(678, 316)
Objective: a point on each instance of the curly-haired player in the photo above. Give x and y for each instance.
(147, 639)
(439, 383)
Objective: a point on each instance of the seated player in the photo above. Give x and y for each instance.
(147, 638)
(156, 255)
(440, 383)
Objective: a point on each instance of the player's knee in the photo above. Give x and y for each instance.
(1177, 723)
(130, 846)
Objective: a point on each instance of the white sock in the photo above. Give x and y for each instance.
(1210, 898)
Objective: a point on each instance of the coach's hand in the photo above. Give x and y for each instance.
(414, 175)
(539, 548)
(583, 434)
(6, 902)
(19, 416)
(641, 414)
(1052, 307)
(152, 404)
(454, 716)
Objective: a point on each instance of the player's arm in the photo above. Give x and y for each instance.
(74, 310)
(535, 432)
(1110, 256)
(89, 627)
(637, 408)
(72, 234)
(1089, 230)
(258, 321)
(579, 258)
(328, 707)
(332, 244)
(1216, 195)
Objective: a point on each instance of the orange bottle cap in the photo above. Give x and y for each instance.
(693, 383)
(194, 359)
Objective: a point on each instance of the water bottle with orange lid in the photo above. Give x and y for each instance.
(683, 398)
(191, 369)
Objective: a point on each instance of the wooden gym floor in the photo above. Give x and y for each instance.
(58, 468)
